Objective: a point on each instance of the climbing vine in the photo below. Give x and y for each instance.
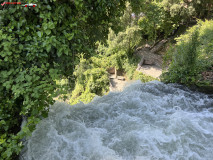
(38, 46)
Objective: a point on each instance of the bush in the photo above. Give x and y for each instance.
(90, 81)
(144, 78)
(119, 47)
(129, 66)
(192, 55)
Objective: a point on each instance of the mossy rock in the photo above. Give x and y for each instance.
(206, 89)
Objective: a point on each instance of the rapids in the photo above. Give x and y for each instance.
(146, 121)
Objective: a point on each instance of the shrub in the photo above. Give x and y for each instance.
(90, 81)
(144, 78)
(192, 55)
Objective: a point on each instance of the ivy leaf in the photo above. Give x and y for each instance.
(51, 25)
(44, 26)
(21, 46)
(48, 7)
(48, 48)
(66, 51)
(48, 32)
(71, 36)
(59, 53)
(39, 34)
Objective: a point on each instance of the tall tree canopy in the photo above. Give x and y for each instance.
(162, 17)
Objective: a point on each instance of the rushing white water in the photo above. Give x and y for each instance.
(147, 121)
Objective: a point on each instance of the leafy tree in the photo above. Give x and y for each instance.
(120, 46)
(91, 80)
(185, 10)
(159, 18)
(127, 19)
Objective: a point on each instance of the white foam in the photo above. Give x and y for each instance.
(146, 121)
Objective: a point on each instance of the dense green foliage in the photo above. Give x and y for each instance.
(91, 74)
(39, 45)
(156, 22)
(192, 55)
(117, 52)
(91, 80)
(120, 46)
(159, 19)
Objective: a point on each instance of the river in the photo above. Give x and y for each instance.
(146, 121)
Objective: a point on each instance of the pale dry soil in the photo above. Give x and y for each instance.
(151, 70)
(119, 83)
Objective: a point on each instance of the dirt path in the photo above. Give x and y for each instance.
(151, 70)
(119, 83)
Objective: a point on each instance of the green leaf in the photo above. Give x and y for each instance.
(66, 51)
(71, 36)
(59, 52)
(44, 26)
(48, 7)
(48, 48)
(39, 34)
(51, 25)
(21, 46)
(48, 32)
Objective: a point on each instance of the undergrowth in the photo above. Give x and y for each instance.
(191, 56)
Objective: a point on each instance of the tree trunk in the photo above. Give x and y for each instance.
(141, 63)
(116, 73)
(158, 46)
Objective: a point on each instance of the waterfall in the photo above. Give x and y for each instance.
(146, 121)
